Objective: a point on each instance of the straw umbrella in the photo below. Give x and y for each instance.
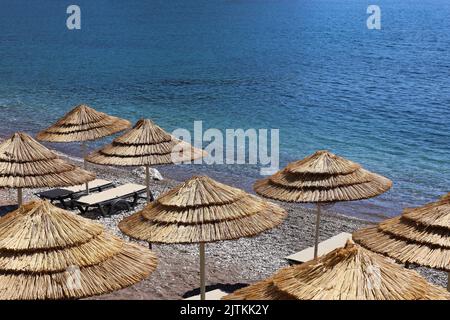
(50, 253)
(445, 197)
(322, 178)
(82, 124)
(145, 145)
(24, 163)
(348, 273)
(202, 210)
(420, 236)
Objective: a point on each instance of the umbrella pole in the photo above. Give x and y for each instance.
(19, 196)
(448, 281)
(316, 244)
(147, 182)
(83, 150)
(202, 271)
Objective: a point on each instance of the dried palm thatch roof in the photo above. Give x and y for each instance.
(49, 253)
(24, 163)
(145, 145)
(83, 123)
(420, 236)
(202, 210)
(349, 273)
(322, 177)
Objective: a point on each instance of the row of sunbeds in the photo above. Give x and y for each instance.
(103, 195)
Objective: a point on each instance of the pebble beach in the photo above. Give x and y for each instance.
(229, 264)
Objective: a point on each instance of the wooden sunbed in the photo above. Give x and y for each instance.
(216, 294)
(325, 247)
(67, 194)
(106, 200)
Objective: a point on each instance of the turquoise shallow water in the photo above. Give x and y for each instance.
(310, 68)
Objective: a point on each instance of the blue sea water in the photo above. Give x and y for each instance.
(310, 68)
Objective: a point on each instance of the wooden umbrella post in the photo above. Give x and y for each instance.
(19, 196)
(149, 195)
(166, 186)
(83, 152)
(202, 271)
(147, 182)
(316, 244)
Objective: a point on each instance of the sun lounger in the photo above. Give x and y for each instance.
(111, 198)
(324, 247)
(71, 193)
(97, 184)
(216, 294)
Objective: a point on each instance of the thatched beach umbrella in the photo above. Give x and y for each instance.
(349, 273)
(202, 210)
(24, 163)
(445, 197)
(145, 145)
(50, 253)
(322, 178)
(419, 236)
(82, 124)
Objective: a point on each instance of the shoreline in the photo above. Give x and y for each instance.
(172, 180)
(370, 210)
(179, 173)
(229, 264)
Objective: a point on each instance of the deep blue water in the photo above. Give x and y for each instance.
(310, 68)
